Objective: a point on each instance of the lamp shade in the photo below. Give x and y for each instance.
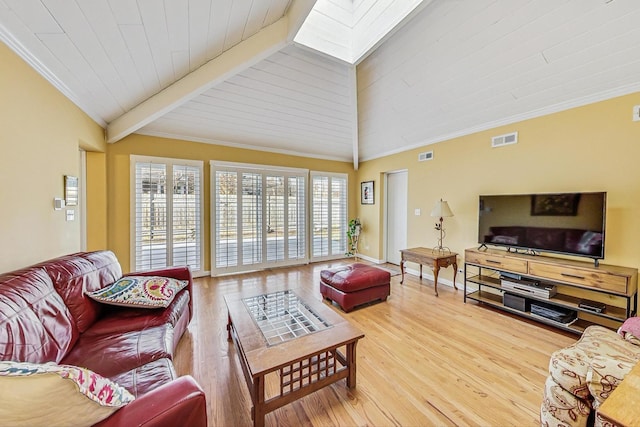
(441, 209)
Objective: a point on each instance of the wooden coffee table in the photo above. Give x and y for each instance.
(289, 345)
(432, 257)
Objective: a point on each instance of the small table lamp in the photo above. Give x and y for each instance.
(441, 210)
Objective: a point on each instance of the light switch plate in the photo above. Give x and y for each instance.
(636, 113)
(417, 212)
(71, 214)
(58, 203)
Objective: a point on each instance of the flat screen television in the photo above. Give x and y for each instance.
(566, 223)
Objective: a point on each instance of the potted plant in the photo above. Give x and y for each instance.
(353, 233)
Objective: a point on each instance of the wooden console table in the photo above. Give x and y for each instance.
(621, 408)
(432, 257)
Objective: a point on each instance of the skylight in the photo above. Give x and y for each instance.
(350, 29)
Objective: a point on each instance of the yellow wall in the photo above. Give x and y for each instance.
(118, 201)
(41, 132)
(591, 148)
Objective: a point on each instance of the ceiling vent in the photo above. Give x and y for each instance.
(427, 155)
(506, 139)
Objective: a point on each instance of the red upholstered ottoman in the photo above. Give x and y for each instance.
(355, 284)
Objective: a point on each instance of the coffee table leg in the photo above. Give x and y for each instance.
(351, 363)
(258, 402)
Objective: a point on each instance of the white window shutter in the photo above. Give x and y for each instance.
(167, 213)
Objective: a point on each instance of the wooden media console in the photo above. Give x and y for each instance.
(614, 286)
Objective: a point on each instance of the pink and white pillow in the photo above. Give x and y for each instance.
(56, 395)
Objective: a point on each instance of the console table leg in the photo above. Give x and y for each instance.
(436, 270)
(455, 271)
(402, 270)
(229, 327)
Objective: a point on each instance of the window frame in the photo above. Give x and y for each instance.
(330, 175)
(264, 171)
(169, 164)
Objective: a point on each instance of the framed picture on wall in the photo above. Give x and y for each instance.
(366, 193)
(70, 190)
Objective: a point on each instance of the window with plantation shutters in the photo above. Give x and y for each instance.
(167, 213)
(258, 217)
(329, 215)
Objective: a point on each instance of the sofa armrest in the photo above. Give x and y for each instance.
(178, 273)
(178, 403)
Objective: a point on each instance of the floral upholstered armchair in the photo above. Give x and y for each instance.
(583, 375)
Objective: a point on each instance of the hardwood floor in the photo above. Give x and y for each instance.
(424, 361)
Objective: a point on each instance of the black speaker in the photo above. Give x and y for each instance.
(515, 301)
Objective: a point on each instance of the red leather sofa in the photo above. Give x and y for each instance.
(45, 316)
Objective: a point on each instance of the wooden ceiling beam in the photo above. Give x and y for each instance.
(231, 62)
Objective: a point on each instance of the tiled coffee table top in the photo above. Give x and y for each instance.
(283, 316)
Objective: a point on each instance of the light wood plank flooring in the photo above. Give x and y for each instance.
(424, 361)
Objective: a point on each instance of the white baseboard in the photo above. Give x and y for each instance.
(367, 258)
(426, 275)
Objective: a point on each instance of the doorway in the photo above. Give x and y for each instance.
(396, 215)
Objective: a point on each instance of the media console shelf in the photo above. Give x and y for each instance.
(616, 287)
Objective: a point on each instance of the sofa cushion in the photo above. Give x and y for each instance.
(570, 366)
(562, 408)
(140, 291)
(147, 377)
(56, 395)
(115, 353)
(74, 275)
(117, 319)
(605, 374)
(35, 324)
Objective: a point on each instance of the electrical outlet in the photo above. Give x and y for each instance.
(636, 113)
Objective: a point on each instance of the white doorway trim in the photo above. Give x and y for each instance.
(83, 200)
(386, 212)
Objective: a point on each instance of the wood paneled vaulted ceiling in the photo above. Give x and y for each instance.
(361, 79)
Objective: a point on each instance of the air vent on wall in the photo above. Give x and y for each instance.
(506, 139)
(427, 155)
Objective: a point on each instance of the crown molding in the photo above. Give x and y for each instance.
(21, 50)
